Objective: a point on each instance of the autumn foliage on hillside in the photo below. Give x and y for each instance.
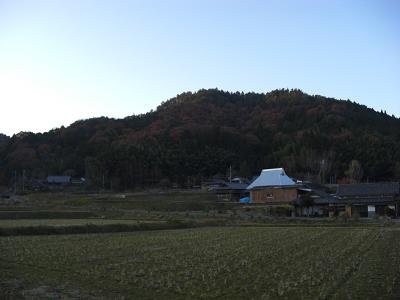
(195, 136)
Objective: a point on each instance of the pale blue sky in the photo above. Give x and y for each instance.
(66, 60)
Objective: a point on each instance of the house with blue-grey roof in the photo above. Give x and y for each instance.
(273, 186)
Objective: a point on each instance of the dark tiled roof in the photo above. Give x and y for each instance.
(318, 189)
(58, 179)
(277, 187)
(231, 186)
(365, 201)
(325, 200)
(368, 189)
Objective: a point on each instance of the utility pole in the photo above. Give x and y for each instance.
(323, 171)
(15, 181)
(230, 174)
(23, 178)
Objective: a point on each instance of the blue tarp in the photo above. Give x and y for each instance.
(245, 200)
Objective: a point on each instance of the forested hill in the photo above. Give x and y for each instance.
(3, 137)
(198, 135)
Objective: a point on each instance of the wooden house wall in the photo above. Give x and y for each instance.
(273, 195)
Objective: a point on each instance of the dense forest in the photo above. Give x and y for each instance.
(196, 136)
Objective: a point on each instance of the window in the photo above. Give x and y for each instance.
(270, 196)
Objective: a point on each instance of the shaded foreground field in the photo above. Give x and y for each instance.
(218, 262)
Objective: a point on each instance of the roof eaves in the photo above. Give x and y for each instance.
(291, 186)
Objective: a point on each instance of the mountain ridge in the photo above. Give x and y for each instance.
(197, 135)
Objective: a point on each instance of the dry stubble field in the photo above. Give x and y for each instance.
(206, 263)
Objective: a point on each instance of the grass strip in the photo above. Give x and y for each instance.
(90, 228)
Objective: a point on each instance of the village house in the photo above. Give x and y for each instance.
(313, 200)
(64, 180)
(273, 186)
(367, 199)
(275, 189)
(58, 179)
(230, 191)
